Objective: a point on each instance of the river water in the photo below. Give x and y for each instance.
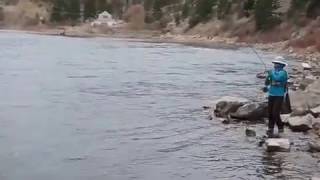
(79, 109)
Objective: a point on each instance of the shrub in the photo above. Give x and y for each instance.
(193, 21)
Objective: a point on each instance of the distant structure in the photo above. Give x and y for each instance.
(104, 18)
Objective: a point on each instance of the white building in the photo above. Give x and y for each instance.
(104, 18)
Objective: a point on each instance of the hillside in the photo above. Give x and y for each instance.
(295, 22)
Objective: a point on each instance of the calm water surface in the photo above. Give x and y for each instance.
(80, 109)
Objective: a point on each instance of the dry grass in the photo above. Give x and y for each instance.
(312, 38)
(25, 13)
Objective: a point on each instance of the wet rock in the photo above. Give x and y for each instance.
(314, 146)
(251, 111)
(277, 145)
(228, 105)
(250, 132)
(306, 66)
(301, 123)
(315, 111)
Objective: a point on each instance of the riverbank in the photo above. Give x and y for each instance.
(307, 55)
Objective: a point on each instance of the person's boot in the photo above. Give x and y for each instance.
(270, 133)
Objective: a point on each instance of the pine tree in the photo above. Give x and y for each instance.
(204, 8)
(90, 9)
(264, 14)
(58, 11)
(74, 10)
(157, 12)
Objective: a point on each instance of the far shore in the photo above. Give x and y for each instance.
(216, 42)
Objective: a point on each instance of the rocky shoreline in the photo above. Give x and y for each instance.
(304, 118)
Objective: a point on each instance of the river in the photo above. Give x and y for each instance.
(99, 108)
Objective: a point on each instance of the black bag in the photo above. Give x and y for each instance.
(286, 105)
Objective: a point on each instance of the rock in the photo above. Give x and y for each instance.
(277, 145)
(251, 111)
(315, 178)
(304, 83)
(314, 146)
(227, 105)
(299, 103)
(315, 111)
(306, 66)
(250, 132)
(285, 118)
(226, 121)
(301, 123)
(316, 128)
(314, 88)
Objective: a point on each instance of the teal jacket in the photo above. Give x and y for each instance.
(277, 82)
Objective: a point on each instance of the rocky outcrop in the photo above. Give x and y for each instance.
(301, 123)
(227, 105)
(277, 145)
(251, 111)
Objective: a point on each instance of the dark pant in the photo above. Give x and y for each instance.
(274, 108)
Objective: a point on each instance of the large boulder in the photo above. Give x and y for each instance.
(227, 105)
(277, 145)
(299, 103)
(301, 123)
(251, 111)
(314, 88)
(303, 101)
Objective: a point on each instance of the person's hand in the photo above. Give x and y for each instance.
(265, 89)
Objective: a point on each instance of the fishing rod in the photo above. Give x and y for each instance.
(260, 58)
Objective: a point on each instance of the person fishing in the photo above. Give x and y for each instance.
(276, 86)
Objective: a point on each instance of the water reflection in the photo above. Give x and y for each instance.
(272, 165)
